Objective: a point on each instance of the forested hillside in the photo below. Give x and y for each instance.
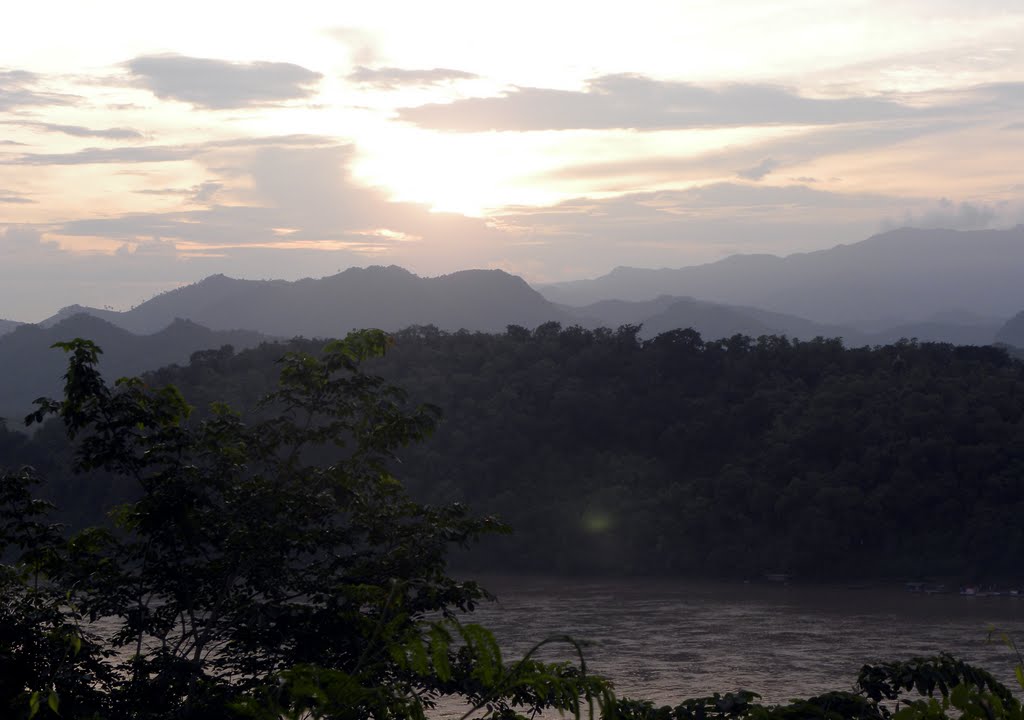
(674, 455)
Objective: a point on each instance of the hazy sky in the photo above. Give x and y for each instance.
(143, 146)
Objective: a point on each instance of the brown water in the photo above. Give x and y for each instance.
(669, 640)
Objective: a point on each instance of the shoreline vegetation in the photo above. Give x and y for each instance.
(272, 564)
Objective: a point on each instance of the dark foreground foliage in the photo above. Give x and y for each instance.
(933, 688)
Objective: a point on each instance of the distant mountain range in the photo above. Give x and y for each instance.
(31, 368)
(941, 286)
(896, 278)
(389, 298)
(717, 320)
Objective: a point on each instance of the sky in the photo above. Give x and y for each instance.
(146, 146)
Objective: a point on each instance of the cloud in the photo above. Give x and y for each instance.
(14, 198)
(642, 103)
(759, 171)
(308, 191)
(703, 223)
(163, 153)
(94, 155)
(203, 193)
(951, 215)
(17, 89)
(22, 239)
(221, 84)
(80, 131)
(295, 211)
(789, 150)
(293, 140)
(362, 45)
(292, 202)
(389, 78)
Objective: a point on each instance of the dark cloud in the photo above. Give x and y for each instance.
(18, 88)
(389, 77)
(635, 101)
(759, 171)
(220, 84)
(80, 131)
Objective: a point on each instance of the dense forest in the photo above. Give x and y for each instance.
(736, 457)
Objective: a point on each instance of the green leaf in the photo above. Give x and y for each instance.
(53, 701)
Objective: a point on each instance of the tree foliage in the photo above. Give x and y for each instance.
(272, 566)
(277, 564)
(680, 455)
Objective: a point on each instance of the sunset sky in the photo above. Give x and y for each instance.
(143, 146)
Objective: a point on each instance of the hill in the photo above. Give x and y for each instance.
(389, 298)
(891, 279)
(711, 320)
(31, 367)
(1012, 332)
(7, 326)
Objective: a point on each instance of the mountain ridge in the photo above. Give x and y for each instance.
(912, 272)
(7, 326)
(33, 368)
(390, 298)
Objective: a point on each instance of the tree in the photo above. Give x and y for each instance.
(276, 567)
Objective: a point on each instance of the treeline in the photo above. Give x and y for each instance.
(676, 455)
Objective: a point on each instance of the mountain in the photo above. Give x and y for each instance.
(31, 368)
(71, 311)
(711, 320)
(1012, 333)
(955, 333)
(898, 277)
(7, 326)
(389, 298)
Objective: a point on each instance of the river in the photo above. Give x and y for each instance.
(668, 640)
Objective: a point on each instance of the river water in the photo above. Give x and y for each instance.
(670, 640)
